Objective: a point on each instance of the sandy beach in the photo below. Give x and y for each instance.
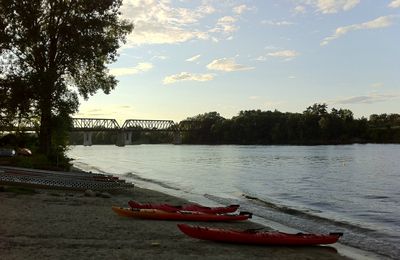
(60, 224)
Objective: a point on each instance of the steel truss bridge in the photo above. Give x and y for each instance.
(89, 125)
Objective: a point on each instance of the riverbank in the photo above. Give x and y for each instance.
(58, 224)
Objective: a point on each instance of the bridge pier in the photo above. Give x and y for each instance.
(177, 138)
(120, 138)
(87, 138)
(128, 137)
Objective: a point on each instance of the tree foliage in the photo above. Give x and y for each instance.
(51, 51)
(314, 126)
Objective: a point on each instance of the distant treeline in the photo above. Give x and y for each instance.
(314, 126)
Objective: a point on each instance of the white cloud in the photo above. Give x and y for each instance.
(276, 23)
(300, 9)
(367, 99)
(194, 58)
(284, 54)
(159, 57)
(227, 64)
(327, 6)
(186, 76)
(240, 9)
(395, 4)
(380, 22)
(141, 67)
(159, 22)
(225, 25)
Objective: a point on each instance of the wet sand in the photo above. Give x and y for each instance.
(57, 224)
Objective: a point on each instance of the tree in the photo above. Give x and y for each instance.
(207, 128)
(51, 51)
(316, 109)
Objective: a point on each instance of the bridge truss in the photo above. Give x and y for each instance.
(94, 124)
(124, 132)
(152, 125)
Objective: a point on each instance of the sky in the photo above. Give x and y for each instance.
(186, 58)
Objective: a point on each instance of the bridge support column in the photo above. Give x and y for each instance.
(87, 138)
(120, 138)
(128, 138)
(177, 138)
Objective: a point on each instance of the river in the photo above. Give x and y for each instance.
(354, 189)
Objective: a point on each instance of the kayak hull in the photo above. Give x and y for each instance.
(156, 214)
(188, 207)
(258, 238)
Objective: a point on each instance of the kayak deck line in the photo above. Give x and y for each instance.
(186, 207)
(156, 214)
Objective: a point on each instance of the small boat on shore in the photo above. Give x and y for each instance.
(156, 214)
(188, 207)
(258, 237)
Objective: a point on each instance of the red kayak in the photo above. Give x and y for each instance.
(258, 237)
(189, 207)
(178, 215)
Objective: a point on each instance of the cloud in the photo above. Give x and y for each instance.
(395, 4)
(141, 67)
(380, 22)
(159, 22)
(225, 25)
(227, 64)
(186, 76)
(194, 58)
(367, 99)
(284, 54)
(327, 6)
(289, 54)
(276, 23)
(240, 9)
(300, 9)
(159, 57)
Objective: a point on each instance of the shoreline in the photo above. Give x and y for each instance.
(93, 222)
(67, 224)
(342, 249)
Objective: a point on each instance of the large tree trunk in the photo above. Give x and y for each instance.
(45, 135)
(45, 105)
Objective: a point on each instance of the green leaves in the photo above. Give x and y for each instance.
(53, 50)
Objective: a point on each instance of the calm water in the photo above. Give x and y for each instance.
(349, 188)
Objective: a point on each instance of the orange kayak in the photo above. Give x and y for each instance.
(157, 214)
(258, 237)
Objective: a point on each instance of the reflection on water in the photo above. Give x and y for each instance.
(352, 184)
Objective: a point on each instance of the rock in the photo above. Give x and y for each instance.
(90, 193)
